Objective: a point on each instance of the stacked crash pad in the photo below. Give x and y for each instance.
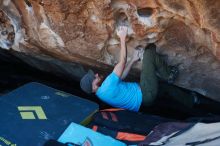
(77, 134)
(34, 113)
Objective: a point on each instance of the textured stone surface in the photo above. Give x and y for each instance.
(83, 32)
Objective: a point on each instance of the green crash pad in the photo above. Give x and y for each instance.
(34, 113)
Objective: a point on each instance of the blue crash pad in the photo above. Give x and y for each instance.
(34, 113)
(78, 134)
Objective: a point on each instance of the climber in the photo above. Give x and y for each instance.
(130, 95)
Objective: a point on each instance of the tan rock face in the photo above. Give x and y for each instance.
(187, 33)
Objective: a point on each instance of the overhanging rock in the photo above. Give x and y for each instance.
(82, 32)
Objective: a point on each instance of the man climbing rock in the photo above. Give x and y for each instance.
(130, 95)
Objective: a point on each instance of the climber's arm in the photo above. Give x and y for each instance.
(119, 68)
(135, 58)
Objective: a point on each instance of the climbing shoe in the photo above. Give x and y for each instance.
(208, 104)
(173, 74)
(196, 98)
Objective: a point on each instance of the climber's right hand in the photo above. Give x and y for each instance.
(122, 32)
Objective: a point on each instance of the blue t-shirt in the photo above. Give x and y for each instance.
(120, 94)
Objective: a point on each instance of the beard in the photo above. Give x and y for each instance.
(101, 80)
